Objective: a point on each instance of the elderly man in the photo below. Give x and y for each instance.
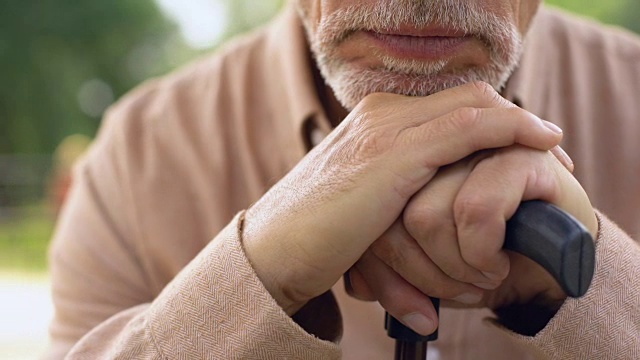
(388, 140)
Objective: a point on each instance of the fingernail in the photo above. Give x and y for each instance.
(553, 127)
(468, 298)
(486, 286)
(492, 276)
(419, 323)
(565, 159)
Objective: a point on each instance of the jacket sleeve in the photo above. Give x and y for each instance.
(215, 308)
(605, 322)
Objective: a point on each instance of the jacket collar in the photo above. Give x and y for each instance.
(290, 65)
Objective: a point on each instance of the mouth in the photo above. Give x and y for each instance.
(421, 44)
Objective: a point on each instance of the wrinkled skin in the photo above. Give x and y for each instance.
(409, 195)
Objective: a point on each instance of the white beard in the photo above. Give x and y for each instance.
(351, 84)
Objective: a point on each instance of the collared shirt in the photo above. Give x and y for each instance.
(136, 273)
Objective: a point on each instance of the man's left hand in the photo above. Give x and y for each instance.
(448, 243)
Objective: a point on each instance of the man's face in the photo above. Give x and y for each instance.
(414, 47)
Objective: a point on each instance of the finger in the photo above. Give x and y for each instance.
(356, 285)
(399, 251)
(429, 219)
(539, 286)
(467, 130)
(492, 193)
(473, 94)
(403, 301)
(563, 157)
(418, 110)
(480, 129)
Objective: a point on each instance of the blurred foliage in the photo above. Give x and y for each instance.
(628, 15)
(619, 12)
(244, 15)
(24, 242)
(50, 49)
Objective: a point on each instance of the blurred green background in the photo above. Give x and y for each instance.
(63, 62)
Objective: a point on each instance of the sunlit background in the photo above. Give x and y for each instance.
(62, 63)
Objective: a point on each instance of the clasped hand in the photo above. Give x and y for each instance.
(410, 196)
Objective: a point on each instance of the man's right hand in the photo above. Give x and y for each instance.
(314, 224)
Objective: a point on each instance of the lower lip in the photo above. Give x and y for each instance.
(421, 47)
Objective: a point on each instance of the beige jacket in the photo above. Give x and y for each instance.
(136, 274)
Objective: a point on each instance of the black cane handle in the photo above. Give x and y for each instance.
(542, 232)
(555, 240)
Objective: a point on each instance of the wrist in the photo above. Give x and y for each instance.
(267, 261)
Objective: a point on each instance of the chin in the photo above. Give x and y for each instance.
(353, 85)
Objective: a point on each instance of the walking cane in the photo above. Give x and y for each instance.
(545, 234)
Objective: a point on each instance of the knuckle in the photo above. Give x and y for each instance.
(455, 271)
(390, 253)
(481, 88)
(465, 117)
(374, 99)
(363, 136)
(476, 258)
(486, 93)
(546, 180)
(472, 209)
(360, 120)
(423, 221)
(441, 286)
(356, 286)
(367, 147)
